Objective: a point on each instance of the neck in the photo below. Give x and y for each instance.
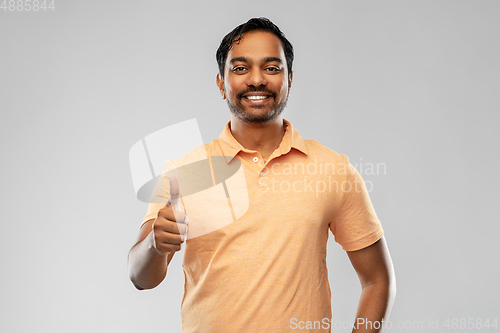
(261, 137)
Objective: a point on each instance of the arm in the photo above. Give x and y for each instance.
(147, 267)
(158, 240)
(374, 267)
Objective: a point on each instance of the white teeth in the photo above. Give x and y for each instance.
(256, 97)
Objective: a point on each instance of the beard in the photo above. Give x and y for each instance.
(274, 109)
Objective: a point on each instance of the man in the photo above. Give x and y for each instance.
(266, 271)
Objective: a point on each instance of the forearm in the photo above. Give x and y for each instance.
(147, 267)
(374, 307)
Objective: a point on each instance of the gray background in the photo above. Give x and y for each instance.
(411, 84)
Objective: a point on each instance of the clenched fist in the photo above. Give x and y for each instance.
(171, 225)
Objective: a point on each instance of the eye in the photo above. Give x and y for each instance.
(273, 69)
(238, 69)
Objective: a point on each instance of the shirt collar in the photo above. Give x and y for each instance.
(231, 147)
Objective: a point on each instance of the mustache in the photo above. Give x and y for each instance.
(260, 89)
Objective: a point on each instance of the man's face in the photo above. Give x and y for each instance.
(256, 83)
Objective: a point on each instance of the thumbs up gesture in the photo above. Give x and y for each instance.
(171, 225)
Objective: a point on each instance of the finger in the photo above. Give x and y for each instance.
(166, 249)
(172, 227)
(175, 193)
(167, 238)
(170, 214)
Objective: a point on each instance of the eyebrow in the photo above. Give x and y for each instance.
(244, 59)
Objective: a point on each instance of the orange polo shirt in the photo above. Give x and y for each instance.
(255, 257)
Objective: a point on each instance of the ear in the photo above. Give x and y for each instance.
(220, 83)
(290, 79)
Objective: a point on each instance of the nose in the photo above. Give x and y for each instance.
(256, 78)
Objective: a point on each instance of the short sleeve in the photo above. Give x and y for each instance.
(355, 225)
(159, 195)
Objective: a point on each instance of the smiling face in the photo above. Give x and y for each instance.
(256, 83)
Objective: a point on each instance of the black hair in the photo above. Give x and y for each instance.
(254, 24)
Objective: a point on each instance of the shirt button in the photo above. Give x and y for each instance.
(255, 159)
(262, 174)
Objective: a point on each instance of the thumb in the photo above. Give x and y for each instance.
(175, 193)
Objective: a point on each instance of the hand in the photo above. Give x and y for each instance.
(170, 227)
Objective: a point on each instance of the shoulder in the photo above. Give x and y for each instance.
(315, 148)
